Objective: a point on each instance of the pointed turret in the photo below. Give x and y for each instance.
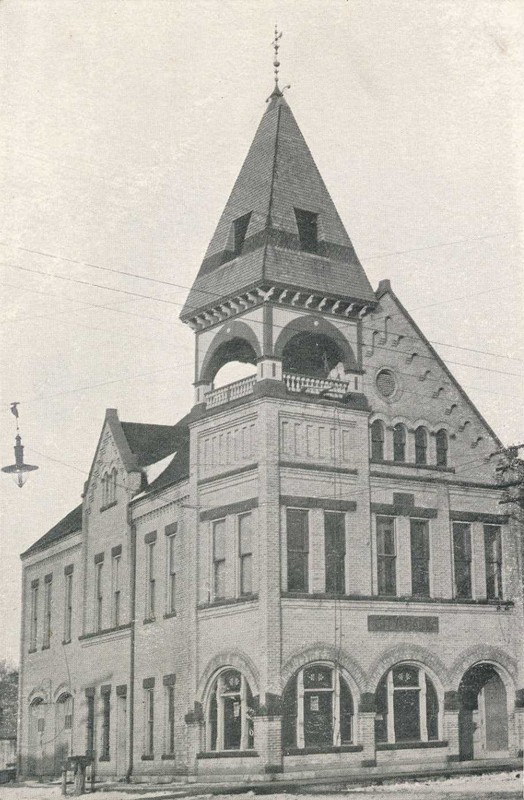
(280, 227)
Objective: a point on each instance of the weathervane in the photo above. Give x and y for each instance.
(18, 470)
(276, 64)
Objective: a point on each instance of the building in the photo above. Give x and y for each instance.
(309, 572)
(8, 717)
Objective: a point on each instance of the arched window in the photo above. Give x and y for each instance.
(317, 708)
(112, 485)
(399, 442)
(377, 441)
(442, 448)
(407, 706)
(230, 713)
(421, 445)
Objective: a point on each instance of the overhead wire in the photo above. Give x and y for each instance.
(217, 295)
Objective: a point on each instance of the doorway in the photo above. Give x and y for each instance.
(483, 714)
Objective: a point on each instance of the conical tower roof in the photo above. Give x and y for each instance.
(278, 177)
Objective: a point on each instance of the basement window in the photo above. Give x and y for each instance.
(307, 224)
(240, 227)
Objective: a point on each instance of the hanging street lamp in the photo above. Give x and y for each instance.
(19, 470)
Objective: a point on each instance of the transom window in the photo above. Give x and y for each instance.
(230, 713)
(317, 708)
(407, 706)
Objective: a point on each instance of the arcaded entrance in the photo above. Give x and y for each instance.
(483, 714)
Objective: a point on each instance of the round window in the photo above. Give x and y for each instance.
(386, 382)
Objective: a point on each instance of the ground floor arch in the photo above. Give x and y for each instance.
(483, 713)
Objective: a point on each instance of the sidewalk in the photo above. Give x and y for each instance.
(471, 779)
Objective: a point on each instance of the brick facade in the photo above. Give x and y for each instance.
(202, 613)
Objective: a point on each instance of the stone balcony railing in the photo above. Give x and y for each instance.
(319, 386)
(298, 384)
(218, 397)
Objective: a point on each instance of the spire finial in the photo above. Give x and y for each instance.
(276, 62)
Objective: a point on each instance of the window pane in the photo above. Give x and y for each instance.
(346, 713)
(246, 582)
(386, 556)
(297, 529)
(431, 711)
(493, 555)
(297, 572)
(335, 551)
(399, 443)
(297, 547)
(442, 448)
(244, 534)
(462, 559)
(220, 579)
(307, 230)
(377, 441)
(419, 558)
(421, 444)
(219, 539)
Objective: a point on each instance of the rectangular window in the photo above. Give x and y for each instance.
(386, 556)
(34, 616)
(419, 558)
(115, 581)
(335, 551)
(48, 583)
(150, 587)
(297, 550)
(493, 553)
(68, 606)
(307, 224)
(106, 724)
(219, 559)
(170, 719)
(462, 558)
(90, 725)
(245, 554)
(171, 575)
(99, 597)
(149, 719)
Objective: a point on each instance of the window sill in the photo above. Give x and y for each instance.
(229, 754)
(104, 758)
(103, 631)
(109, 505)
(411, 464)
(170, 614)
(307, 751)
(168, 757)
(66, 641)
(147, 758)
(389, 598)
(411, 745)
(46, 647)
(32, 650)
(227, 601)
(148, 620)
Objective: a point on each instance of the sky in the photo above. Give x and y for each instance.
(125, 124)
